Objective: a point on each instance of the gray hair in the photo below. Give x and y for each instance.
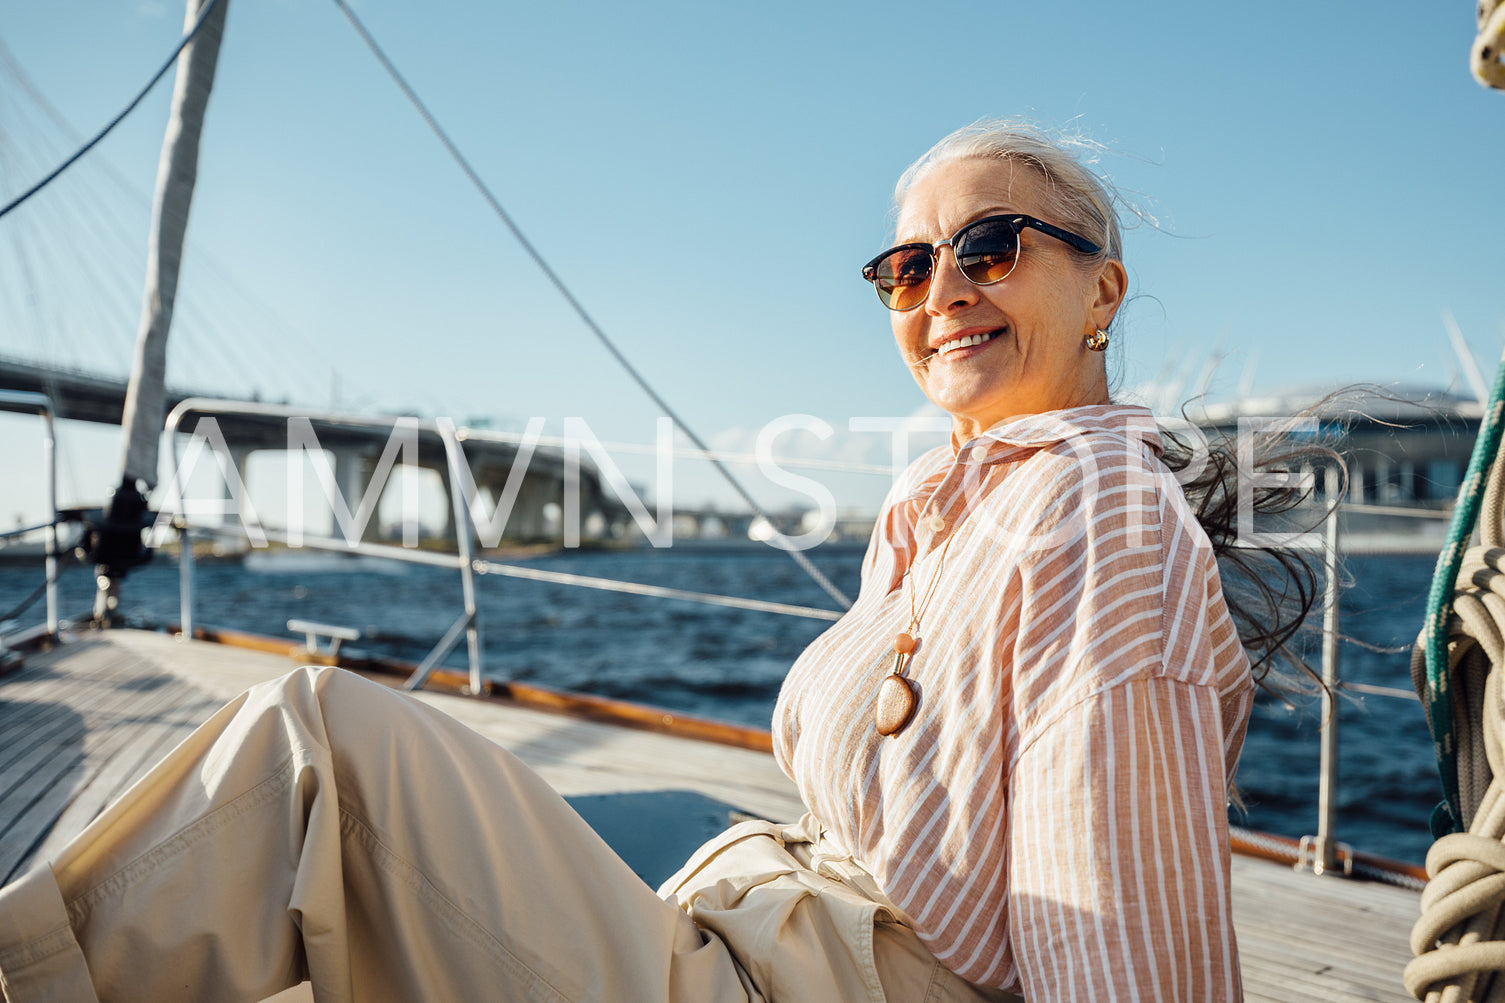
(1076, 198)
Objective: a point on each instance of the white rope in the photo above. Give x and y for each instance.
(1380, 691)
(1457, 940)
(1487, 59)
(659, 591)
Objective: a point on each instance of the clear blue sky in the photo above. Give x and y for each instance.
(709, 178)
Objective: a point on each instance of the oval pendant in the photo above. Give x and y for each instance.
(897, 700)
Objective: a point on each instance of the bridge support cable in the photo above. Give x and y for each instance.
(219, 337)
(569, 297)
(38, 240)
(205, 12)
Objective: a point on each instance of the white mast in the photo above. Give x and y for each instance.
(118, 541)
(1466, 358)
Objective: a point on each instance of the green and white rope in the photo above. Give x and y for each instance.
(1437, 695)
(1459, 940)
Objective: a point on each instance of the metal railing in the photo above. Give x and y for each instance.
(1323, 853)
(28, 402)
(466, 625)
(465, 561)
(1323, 849)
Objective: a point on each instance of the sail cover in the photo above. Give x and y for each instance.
(145, 398)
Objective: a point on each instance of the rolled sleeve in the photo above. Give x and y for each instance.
(1118, 850)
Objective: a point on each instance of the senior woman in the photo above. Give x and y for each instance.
(1015, 748)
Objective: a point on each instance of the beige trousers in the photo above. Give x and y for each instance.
(326, 828)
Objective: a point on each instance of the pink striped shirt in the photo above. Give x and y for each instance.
(1053, 820)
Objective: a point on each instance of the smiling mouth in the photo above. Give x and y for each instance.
(968, 341)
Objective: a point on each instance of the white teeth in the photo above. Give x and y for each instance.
(967, 342)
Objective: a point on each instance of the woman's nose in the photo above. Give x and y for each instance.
(949, 288)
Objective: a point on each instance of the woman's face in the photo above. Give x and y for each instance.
(1035, 321)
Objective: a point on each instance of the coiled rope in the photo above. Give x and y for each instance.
(1487, 59)
(1430, 659)
(1459, 941)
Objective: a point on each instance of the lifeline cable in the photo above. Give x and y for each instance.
(486, 567)
(558, 283)
(63, 557)
(78, 154)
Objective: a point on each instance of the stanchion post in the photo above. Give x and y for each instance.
(1322, 853)
(185, 578)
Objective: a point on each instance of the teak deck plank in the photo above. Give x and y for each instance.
(78, 736)
(111, 705)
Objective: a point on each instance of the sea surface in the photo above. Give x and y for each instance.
(728, 664)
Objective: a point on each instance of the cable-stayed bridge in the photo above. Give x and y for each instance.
(76, 394)
(358, 446)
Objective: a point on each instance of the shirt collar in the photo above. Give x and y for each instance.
(1039, 430)
(1030, 431)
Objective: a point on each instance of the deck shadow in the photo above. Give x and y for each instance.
(654, 831)
(43, 766)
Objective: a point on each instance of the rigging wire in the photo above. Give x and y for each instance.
(161, 72)
(569, 297)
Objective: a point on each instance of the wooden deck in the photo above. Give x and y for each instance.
(78, 724)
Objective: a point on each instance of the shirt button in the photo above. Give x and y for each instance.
(979, 453)
(937, 524)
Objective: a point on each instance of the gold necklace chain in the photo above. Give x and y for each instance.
(930, 588)
(935, 578)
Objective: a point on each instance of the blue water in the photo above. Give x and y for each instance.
(728, 664)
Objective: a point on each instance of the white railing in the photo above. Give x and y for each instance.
(27, 402)
(1323, 853)
(465, 561)
(466, 625)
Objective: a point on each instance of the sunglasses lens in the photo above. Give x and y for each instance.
(903, 277)
(987, 252)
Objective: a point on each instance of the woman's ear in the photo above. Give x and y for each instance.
(1112, 284)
